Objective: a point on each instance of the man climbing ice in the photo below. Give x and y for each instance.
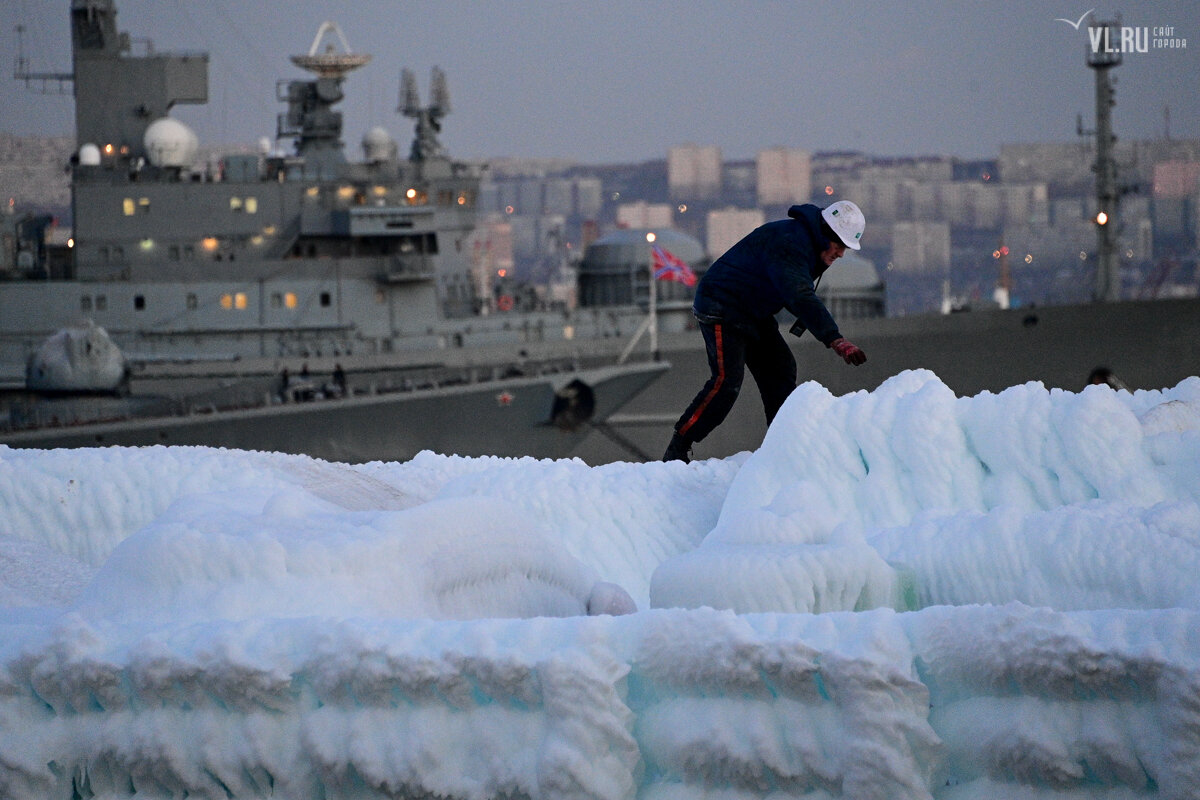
(775, 266)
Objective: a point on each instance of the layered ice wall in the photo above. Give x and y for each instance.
(909, 496)
(185, 622)
(976, 701)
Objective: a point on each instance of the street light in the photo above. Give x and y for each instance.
(650, 239)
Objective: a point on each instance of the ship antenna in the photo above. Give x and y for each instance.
(1101, 59)
(410, 99)
(21, 71)
(330, 63)
(429, 118)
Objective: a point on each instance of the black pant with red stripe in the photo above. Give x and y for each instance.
(733, 348)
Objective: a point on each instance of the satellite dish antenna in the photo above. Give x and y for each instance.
(330, 63)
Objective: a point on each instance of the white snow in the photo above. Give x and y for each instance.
(79, 358)
(901, 594)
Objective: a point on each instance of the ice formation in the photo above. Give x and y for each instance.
(901, 594)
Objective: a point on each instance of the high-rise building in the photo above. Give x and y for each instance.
(784, 176)
(694, 172)
(921, 247)
(645, 215)
(727, 226)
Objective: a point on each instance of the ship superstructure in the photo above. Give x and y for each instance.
(263, 254)
(215, 278)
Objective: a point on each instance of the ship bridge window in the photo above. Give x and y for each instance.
(139, 302)
(236, 300)
(326, 300)
(416, 197)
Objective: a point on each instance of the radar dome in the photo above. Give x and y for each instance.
(378, 145)
(89, 155)
(170, 143)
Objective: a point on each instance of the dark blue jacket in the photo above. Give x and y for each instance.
(774, 267)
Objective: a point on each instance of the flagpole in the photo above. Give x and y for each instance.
(650, 237)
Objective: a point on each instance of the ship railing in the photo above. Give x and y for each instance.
(266, 391)
(406, 268)
(23, 416)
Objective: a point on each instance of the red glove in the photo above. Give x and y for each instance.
(849, 352)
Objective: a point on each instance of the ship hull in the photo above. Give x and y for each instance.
(500, 418)
(1147, 344)
(1150, 344)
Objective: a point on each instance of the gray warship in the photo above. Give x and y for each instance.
(210, 282)
(296, 302)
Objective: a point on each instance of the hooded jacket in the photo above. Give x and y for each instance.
(773, 267)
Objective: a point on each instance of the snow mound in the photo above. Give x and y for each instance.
(233, 555)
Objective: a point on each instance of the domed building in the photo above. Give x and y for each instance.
(852, 288)
(615, 270)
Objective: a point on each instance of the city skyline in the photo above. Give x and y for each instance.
(567, 80)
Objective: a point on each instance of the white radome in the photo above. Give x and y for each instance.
(170, 143)
(89, 155)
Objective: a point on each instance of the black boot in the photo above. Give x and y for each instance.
(680, 449)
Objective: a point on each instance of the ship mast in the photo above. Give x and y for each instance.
(1101, 58)
(310, 116)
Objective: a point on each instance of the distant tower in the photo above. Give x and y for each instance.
(1102, 58)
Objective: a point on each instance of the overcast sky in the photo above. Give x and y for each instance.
(610, 81)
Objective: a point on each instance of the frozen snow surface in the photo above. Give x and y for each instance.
(901, 594)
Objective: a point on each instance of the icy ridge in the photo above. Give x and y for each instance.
(910, 496)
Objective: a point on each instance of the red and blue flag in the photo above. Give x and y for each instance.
(669, 267)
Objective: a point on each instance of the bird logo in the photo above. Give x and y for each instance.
(1076, 25)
